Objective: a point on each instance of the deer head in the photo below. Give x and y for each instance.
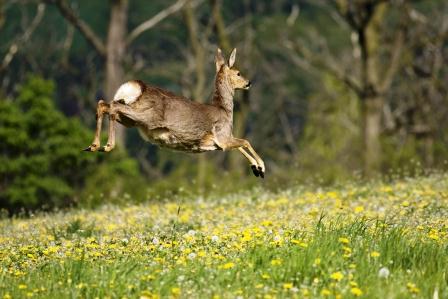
(229, 75)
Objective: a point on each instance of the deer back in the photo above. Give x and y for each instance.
(167, 119)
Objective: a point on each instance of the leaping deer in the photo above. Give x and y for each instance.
(175, 122)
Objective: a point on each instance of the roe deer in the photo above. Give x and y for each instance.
(175, 122)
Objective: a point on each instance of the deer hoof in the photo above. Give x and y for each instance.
(261, 172)
(255, 170)
(106, 148)
(91, 148)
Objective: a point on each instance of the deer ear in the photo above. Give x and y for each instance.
(232, 58)
(219, 59)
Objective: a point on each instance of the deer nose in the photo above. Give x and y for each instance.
(248, 84)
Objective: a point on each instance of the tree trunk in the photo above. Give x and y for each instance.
(372, 111)
(2, 13)
(429, 150)
(372, 102)
(116, 47)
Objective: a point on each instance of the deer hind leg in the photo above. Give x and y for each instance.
(117, 110)
(101, 109)
(111, 139)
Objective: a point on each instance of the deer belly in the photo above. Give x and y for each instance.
(164, 138)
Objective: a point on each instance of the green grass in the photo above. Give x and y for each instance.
(302, 243)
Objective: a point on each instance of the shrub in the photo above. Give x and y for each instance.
(41, 162)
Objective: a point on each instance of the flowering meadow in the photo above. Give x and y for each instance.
(366, 240)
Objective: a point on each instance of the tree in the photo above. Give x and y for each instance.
(416, 113)
(365, 20)
(40, 165)
(18, 42)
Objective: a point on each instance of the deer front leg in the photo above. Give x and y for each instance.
(257, 163)
(253, 163)
(101, 109)
(261, 166)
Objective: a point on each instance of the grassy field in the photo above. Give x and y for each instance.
(372, 240)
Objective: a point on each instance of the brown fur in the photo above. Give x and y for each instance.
(175, 122)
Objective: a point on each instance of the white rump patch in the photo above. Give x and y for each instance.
(129, 92)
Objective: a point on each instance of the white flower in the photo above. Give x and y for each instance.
(155, 241)
(215, 239)
(191, 232)
(277, 238)
(192, 255)
(383, 273)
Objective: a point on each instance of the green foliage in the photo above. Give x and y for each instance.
(400, 154)
(117, 180)
(42, 165)
(331, 147)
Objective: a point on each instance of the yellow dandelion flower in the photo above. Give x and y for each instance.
(344, 240)
(175, 291)
(359, 209)
(246, 237)
(229, 265)
(265, 276)
(434, 235)
(148, 295)
(287, 286)
(325, 292)
(375, 254)
(276, 262)
(338, 276)
(184, 218)
(356, 291)
(317, 262)
(412, 288)
(266, 223)
(22, 286)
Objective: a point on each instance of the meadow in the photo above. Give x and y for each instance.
(366, 240)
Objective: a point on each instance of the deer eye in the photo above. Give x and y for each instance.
(238, 74)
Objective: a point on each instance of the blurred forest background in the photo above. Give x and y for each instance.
(341, 88)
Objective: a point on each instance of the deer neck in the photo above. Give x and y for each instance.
(223, 94)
